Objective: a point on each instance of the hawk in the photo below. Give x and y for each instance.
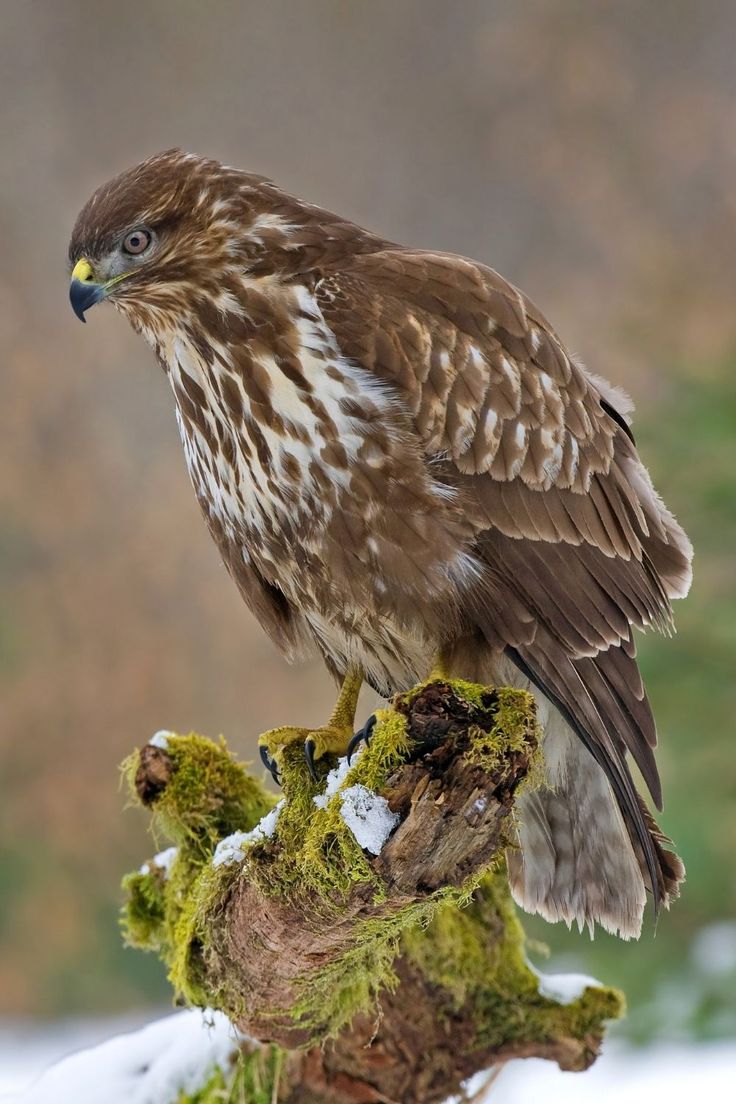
(404, 470)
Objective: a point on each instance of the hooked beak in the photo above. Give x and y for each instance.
(84, 290)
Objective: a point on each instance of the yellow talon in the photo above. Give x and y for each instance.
(331, 739)
(317, 742)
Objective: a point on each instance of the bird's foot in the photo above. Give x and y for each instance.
(317, 742)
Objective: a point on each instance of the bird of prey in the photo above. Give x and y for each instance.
(405, 470)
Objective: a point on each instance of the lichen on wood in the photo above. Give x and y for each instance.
(342, 959)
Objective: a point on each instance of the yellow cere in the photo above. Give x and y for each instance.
(83, 271)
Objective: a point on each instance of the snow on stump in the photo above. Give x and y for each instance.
(361, 927)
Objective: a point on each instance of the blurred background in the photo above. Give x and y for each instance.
(585, 149)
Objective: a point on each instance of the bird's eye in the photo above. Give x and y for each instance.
(137, 241)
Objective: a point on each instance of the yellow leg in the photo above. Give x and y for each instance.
(439, 667)
(331, 739)
(343, 715)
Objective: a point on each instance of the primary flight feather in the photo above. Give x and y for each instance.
(403, 468)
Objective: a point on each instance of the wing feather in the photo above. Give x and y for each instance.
(578, 546)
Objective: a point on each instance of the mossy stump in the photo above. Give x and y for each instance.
(358, 976)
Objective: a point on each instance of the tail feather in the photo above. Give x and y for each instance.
(670, 865)
(624, 710)
(579, 858)
(584, 707)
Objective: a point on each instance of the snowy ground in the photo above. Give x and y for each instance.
(151, 1064)
(677, 1074)
(26, 1050)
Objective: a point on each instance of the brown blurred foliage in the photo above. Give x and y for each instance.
(586, 149)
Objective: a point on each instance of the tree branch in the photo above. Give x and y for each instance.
(389, 976)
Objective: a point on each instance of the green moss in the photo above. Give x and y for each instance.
(477, 956)
(352, 983)
(209, 796)
(314, 857)
(514, 729)
(315, 852)
(255, 1080)
(214, 1091)
(189, 954)
(472, 692)
(145, 911)
(324, 856)
(473, 953)
(506, 722)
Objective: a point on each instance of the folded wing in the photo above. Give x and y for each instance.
(541, 455)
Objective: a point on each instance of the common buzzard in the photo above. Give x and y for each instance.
(405, 470)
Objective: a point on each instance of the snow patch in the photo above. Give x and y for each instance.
(154, 1065)
(334, 781)
(677, 1073)
(181, 1052)
(164, 860)
(564, 988)
(160, 739)
(368, 817)
(232, 848)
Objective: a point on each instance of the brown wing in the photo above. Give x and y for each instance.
(492, 388)
(565, 514)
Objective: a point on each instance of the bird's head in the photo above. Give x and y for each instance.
(133, 234)
(177, 233)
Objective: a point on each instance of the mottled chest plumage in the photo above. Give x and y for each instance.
(270, 433)
(302, 461)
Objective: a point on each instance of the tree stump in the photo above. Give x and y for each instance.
(360, 931)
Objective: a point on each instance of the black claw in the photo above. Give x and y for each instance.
(309, 746)
(363, 734)
(269, 764)
(368, 727)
